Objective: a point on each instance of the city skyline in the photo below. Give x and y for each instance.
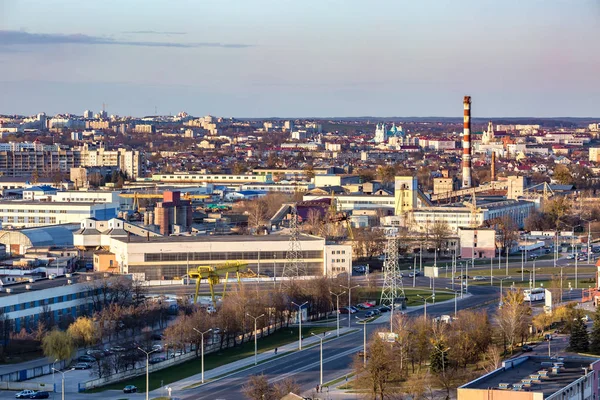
(282, 59)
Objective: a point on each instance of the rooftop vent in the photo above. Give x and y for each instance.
(68, 275)
(8, 290)
(28, 287)
(31, 280)
(69, 282)
(88, 278)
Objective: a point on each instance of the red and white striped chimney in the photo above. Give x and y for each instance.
(466, 158)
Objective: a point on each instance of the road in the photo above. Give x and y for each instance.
(338, 356)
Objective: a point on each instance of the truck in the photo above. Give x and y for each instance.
(531, 247)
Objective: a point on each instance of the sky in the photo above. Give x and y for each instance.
(301, 58)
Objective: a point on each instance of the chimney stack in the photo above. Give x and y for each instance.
(466, 158)
(493, 172)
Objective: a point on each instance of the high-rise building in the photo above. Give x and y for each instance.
(88, 114)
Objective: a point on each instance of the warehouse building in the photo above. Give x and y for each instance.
(157, 258)
(28, 214)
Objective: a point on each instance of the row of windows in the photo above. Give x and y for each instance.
(233, 255)
(339, 260)
(29, 220)
(9, 210)
(52, 300)
(183, 177)
(172, 271)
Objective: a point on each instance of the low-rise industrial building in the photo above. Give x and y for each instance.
(537, 378)
(28, 214)
(18, 241)
(156, 258)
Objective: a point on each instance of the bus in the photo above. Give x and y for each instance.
(537, 294)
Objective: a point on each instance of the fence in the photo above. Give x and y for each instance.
(212, 347)
(29, 373)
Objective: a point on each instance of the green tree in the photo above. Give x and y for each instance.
(438, 358)
(58, 345)
(579, 341)
(595, 335)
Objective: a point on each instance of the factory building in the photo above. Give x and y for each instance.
(157, 258)
(173, 214)
(28, 214)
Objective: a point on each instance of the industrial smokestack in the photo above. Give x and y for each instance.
(466, 158)
(493, 172)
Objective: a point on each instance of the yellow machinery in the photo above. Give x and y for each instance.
(136, 196)
(211, 274)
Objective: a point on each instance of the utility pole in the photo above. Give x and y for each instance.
(255, 335)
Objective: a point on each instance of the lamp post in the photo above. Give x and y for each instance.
(364, 322)
(147, 353)
(300, 322)
(425, 301)
(255, 335)
(589, 239)
(501, 281)
(202, 349)
(53, 382)
(321, 361)
(337, 299)
(349, 289)
(63, 380)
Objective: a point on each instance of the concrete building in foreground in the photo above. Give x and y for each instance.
(537, 378)
(157, 258)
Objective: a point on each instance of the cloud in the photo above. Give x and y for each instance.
(156, 33)
(19, 38)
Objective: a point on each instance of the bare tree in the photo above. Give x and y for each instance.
(513, 318)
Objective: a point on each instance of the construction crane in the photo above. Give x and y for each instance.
(213, 277)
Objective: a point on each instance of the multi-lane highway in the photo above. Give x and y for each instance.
(338, 355)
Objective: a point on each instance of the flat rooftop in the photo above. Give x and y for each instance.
(53, 203)
(573, 370)
(45, 283)
(217, 238)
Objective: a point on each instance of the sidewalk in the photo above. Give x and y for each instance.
(246, 362)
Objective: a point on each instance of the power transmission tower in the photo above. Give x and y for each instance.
(294, 262)
(392, 280)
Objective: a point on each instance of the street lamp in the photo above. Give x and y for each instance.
(53, 382)
(349, 289)
(300, 322)
(364, 322)
(502, 280)
(202, 349)
(589, 239)
(337, 299)
(425, 301)
(63, 379)
(147, 353)
(321, 362)
(255, 335)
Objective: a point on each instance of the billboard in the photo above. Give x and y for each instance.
(432, 272)
(389, 337)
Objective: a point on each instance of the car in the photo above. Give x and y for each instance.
(570, 256)
(547, 337)
(178, 353)
(547, 251)
(130, 389)
(376, 311)
(95, 353)
(361, 306)
(156, 360)
(25, 394)
(413, 274)
(157, 348)
(585, 318)
(86, 358)
(344, 310)
(369, 314)
(352, 308)
(533, 256)
(479, 278)
(463, 277)
(82, 365)
(118, 349)
(40, 395)
(526, 348)
(384, 309)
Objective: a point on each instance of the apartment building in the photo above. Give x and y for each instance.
(23, 159)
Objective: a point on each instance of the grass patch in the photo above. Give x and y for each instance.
(340, 379)
(216, 359)
(411, 294)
